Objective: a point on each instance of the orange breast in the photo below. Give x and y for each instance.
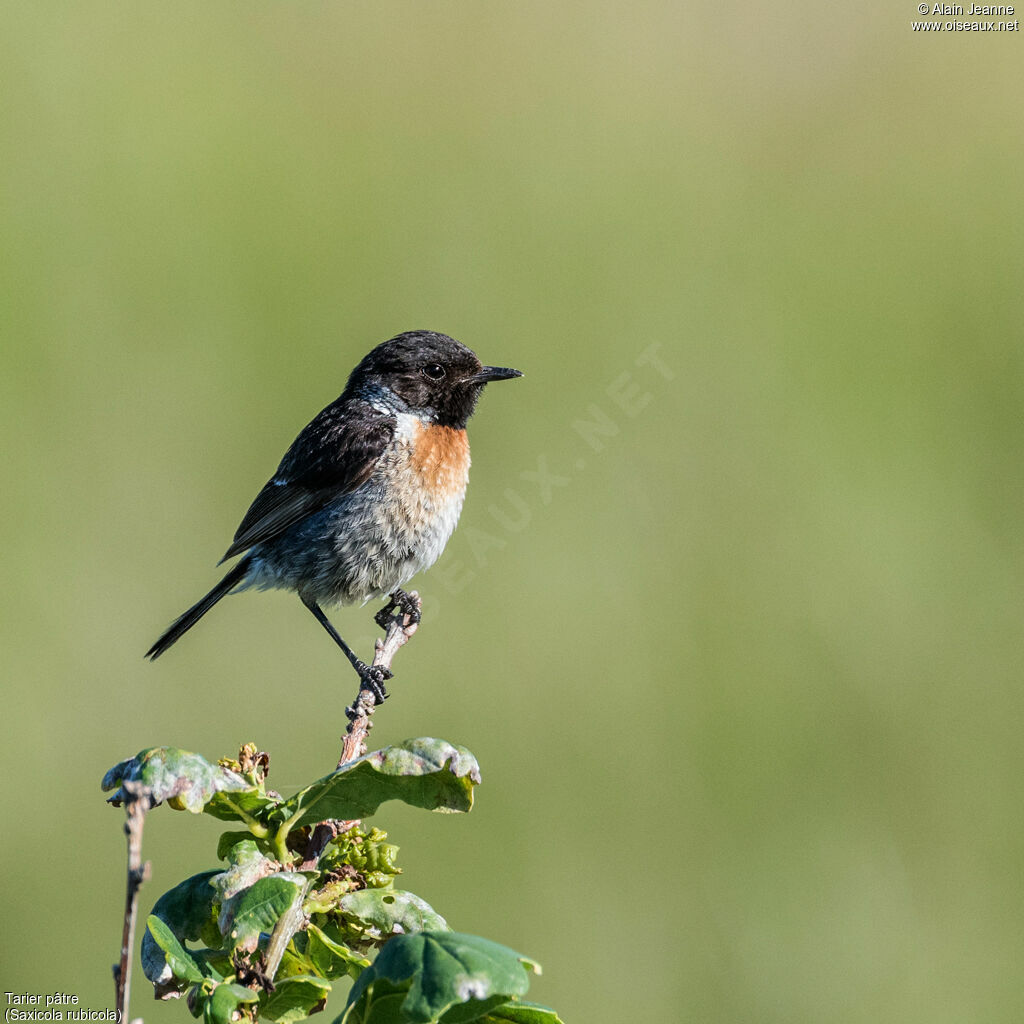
(440, 456)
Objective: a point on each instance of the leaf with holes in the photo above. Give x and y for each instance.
(392, 911)
(189, 913)
(178, 959)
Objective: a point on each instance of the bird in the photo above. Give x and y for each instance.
(367, 495)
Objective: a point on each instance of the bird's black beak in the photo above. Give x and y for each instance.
(488, 373)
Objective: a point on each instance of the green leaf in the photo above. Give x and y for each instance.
(178, 959)
(258, 908)
(188, 912)
(228, 841)
(326, 899)
(247, 866)
(521, 1013)
(332, 959)
(387, 1010)
(382, 1004)
(429, 773)
(368, 852)
(224, 1002)
(471, 1010)
(295, 999)
(448, 975)
(293, 961)
(187, 780)
(251, 806)
(391, 911)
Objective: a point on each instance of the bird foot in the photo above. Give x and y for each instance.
(408, 603)
(372, 678)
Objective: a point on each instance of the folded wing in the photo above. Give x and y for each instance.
(332, 456)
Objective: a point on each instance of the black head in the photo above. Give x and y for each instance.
(428, 373)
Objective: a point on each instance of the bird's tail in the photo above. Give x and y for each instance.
(185, 622)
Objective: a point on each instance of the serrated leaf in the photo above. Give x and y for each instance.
(392, 911)
(521, 1013)
(258, 908)
(451, 975)
(428, 773)
(187, 779)
(225, 1000)
(295, 998)
(188, 912)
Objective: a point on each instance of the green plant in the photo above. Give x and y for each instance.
(306, 895)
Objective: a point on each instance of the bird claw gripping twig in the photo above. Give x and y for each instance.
(400, 623)
(409, 604)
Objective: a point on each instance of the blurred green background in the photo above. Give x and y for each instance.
(745, 679)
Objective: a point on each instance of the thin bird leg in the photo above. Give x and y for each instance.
(399, 599)
(372, 677)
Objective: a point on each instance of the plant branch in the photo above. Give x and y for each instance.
(319, 839)
(138, 803)
(399, 632)
(400, 629)
(258, 830)
(287, 925)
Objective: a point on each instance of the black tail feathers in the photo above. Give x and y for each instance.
(185, 622)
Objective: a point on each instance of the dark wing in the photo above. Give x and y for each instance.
(333, 455)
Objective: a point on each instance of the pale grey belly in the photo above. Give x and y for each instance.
(359, 547)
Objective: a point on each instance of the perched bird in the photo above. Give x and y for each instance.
(369, 492)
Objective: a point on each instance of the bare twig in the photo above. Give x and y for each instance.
(138, 803)
(399, 632)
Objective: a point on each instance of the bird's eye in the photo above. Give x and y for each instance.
(435, 371)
